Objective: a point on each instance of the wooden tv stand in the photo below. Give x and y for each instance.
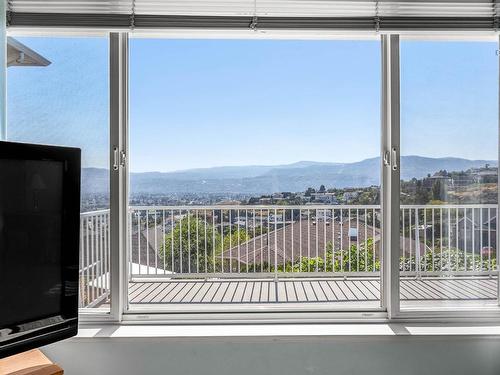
(32, 362)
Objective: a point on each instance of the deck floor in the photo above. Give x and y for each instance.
(307, 290)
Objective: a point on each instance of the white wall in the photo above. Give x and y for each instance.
(241, 356)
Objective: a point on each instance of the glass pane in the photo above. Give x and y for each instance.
(255, 173)
(449, 174)
(63, 100)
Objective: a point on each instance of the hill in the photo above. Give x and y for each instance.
(268, 179)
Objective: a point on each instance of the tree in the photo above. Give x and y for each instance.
(437, 190)
(253, 200)
(309, 191)
(237, 237)
(422, 195)
(322, 189)
(191, 246)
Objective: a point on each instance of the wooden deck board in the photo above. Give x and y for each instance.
(375, 291)
(488, 284)
(281, 292)
(162, 293)
(328, 292)
(448, 289)
(247, 294)
(173, 292)
(264, 292)
(221, 292)
(459, 291)
(256, 292)
(339, 294)
(272, 292)
(192, 292)
(133, 287)
(290, 291)
(346, 290)
(231, 289)
(478, 289)
(310, 294)
(144, 291)
(136, 290)
(198, 297)
(307, 290)
(404, 293)
(419, 292)
(366, 292)
(238, 293)
(319, 291)
(209, 295)
(182, 293)
(484, 289)
(300, 292)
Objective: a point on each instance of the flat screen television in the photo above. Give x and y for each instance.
(39, 245)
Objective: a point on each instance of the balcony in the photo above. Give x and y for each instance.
(239, 255)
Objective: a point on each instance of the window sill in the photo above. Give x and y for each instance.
(281, 331)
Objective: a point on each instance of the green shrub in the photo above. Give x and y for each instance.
(448, 260)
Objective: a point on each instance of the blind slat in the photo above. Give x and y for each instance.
(349, 14)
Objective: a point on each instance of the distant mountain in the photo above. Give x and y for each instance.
(268, 179)
(228, 172)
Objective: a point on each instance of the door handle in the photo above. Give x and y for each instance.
(115, 158)
(394, 159)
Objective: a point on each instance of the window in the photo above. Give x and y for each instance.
(58, 94)
(449, 174)
(254, 170)
(255, 174)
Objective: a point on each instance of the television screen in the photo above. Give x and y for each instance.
(39, 231)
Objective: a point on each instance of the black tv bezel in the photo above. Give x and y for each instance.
(65, 324)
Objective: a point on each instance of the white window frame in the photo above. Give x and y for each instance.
(390, 187)
(389, 160)
(432, 314)
(390, 143)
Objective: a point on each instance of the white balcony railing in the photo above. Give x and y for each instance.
(94, 258)
(303, 240)
(457, 239)
(286, 241)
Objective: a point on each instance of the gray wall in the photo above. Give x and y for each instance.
(240, 356)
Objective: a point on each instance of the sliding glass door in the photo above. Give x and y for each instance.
(255, 174)
(449, 175)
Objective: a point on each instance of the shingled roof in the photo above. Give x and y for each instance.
(303, 238)
(148, 250)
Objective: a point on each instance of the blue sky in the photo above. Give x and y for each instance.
(66, 102)
(202, 103)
